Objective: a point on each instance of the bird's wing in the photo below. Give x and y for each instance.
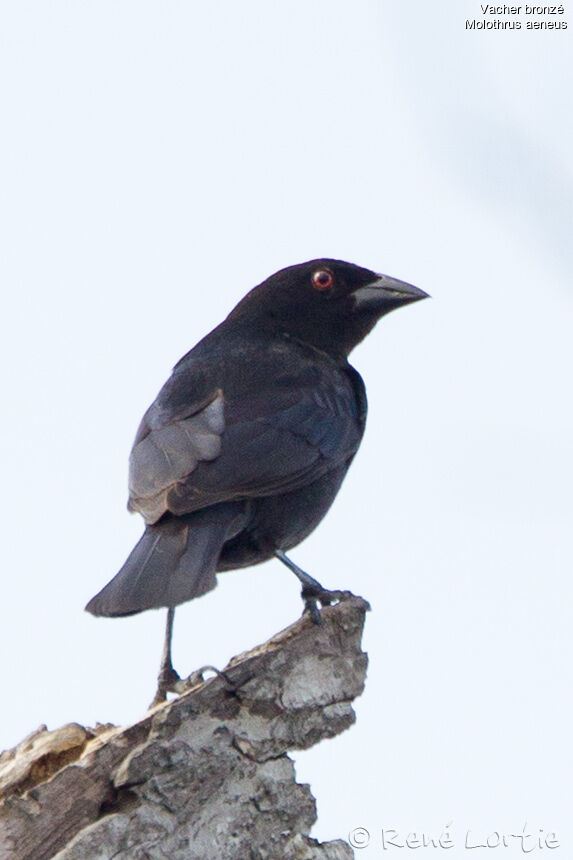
(167, 449)
(273, 434)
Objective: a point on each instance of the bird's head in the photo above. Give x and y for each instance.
(328, 304)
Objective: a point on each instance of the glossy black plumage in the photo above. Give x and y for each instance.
(245, 447)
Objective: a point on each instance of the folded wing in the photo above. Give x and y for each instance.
(169, 453)
(271, 434)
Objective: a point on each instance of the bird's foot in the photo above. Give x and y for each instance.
(198, 677)
(315, 594)
(168, 681)
(312, 592)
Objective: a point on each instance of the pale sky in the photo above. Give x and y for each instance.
(159, 160)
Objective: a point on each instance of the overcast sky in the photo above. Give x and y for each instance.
(161, 158)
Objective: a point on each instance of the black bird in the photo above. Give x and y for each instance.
(245, 447)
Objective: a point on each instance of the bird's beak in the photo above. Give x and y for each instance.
(385, 293)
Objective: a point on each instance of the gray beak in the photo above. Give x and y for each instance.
(385, 293)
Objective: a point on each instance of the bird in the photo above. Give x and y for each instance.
(245, 447)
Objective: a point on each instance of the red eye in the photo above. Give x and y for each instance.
(323, 279)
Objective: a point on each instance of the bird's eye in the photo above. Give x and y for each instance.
(322, 279)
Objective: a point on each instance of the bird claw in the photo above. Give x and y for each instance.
(311, 609)
(313, 595)
(168, 681)
(198, 677)
(312, 592)
(171, 682)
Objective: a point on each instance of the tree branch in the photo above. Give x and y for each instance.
(205, 775)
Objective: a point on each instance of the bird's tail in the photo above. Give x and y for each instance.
(174, 561)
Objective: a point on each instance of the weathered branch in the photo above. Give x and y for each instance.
(203, 776)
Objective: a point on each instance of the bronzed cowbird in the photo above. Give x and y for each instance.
(245, 447)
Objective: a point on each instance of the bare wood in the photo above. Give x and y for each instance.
(204, 775)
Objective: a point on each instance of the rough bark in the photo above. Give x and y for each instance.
(205, 775)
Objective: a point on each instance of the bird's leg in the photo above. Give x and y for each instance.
(167, 678)
(312, 591)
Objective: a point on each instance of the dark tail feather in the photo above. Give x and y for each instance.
(174, 561)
